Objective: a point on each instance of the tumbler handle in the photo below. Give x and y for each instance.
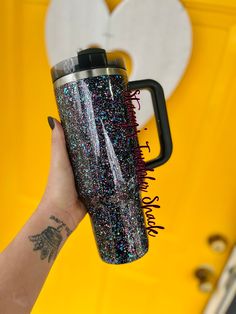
(160, 112)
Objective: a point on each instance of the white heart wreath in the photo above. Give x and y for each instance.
(155, 33)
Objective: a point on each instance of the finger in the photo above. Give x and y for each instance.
(59, 154)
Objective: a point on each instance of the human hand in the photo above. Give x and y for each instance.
(60, 194)
(43, 235)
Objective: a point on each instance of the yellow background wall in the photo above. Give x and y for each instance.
(196, 187)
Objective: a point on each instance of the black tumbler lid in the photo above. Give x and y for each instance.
(87, 59)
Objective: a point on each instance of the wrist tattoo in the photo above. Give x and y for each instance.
(62, 225)
(49, 240)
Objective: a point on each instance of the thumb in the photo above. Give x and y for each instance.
(61, 182)
(59, 154)
(60, 190)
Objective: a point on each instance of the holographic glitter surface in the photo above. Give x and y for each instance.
(93, 114)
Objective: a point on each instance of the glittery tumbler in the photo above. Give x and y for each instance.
(91, 92)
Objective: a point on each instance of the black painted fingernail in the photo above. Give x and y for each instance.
(51, 122)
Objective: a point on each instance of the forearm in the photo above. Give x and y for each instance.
(26, 262)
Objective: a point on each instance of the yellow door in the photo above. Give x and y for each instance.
(196, 187)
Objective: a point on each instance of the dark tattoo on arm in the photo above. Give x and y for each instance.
(62, 225)
(49, 240)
